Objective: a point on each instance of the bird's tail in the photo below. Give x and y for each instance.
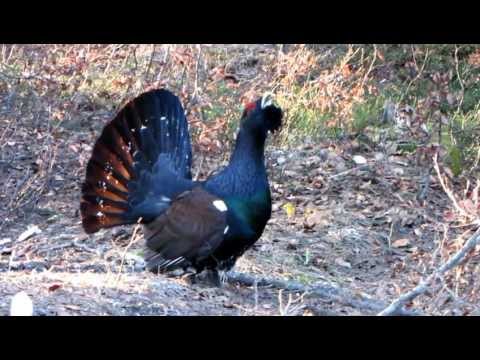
(148, 136)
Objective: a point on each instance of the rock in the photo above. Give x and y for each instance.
(21, 305)
(323, 153)
(398, 171)
(292, 244)
(281, 160)
(359, 160)
(314, 217)
(332, 156)
(340, 166)
(343, 263)
(379, 156)
(177, 272)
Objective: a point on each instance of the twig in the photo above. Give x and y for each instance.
(445, 188)
(147, 72)
(390, 235)
(424, 185)
(416, 77)
(325, 291)
(197, 67)
(112, 53)
(290, 308)
(371, 65)
(133, 239)
(255, 292)
(346, 172)
(395, 307)
(199, 169)
(459, 79)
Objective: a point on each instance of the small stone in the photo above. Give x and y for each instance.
(398, 171)
(21, 305)
(343, 263)
(292, 244)
(323, 153)
(379, 156)
(177, 272)
(340, 166)
(332, 156)
(359, 160)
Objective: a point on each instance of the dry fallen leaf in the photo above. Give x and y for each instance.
(289, 209)
(32, 230)
(449, 216)
(54, 287)
(343, 263)
(418, 232)
(315, 217)
(401, 243)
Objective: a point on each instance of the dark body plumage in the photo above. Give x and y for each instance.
(140, 170)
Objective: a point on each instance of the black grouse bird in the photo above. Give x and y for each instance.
(140, 171)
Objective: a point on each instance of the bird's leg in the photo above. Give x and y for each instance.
(223, 277)
(219, 277)
(210, 277)
(190, 275)
(213, 277)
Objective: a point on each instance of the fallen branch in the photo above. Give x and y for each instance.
(447, 191)
(325, 291)
(397, 306)
(133, 240)
(424, 185)
(347, 172)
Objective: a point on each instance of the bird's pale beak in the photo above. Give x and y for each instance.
(267, 100)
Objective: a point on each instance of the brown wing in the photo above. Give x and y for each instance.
(189, 231)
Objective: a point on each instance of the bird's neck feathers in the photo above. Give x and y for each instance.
(249, 149)
(247, 164)
(245, 176)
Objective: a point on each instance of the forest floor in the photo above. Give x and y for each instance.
(358, 227)
(344, 214)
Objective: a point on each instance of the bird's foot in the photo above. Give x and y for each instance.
(211, 277)
(223, 277)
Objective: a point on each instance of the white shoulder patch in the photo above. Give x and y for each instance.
(220, 205)
(225, 231)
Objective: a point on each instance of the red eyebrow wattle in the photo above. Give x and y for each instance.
(250, 106)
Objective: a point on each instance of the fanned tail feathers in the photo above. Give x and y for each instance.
(139, 160)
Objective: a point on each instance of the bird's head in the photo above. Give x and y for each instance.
(262, 116)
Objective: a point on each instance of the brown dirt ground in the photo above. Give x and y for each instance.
(339, 232)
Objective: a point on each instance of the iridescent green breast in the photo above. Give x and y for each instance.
(251, 213)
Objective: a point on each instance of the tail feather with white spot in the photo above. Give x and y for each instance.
(141, 160)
